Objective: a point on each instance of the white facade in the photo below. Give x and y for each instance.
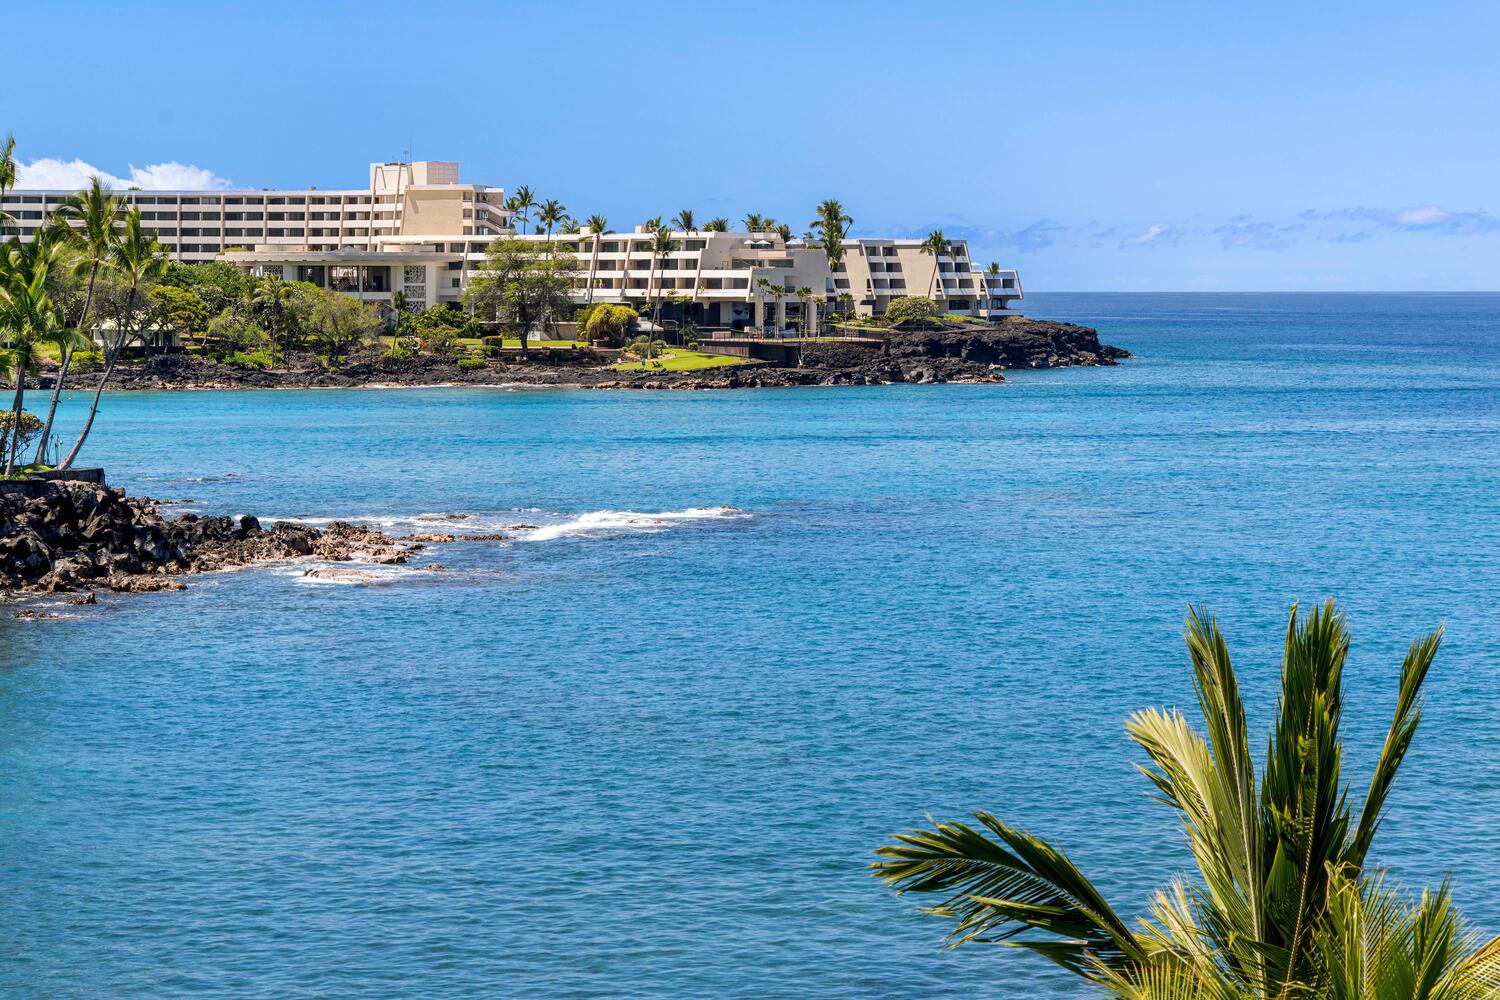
(417, 230)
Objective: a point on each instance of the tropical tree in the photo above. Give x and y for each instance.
(7, 179)
(661, 247)
(934, 245)
(784, 231)
(342, 322)
(684, 220)
(1283, 907)
(28, 319)
(718, 225)
(830, 229)
(805, 296)
(652, 224)
(611, 323)
(549, 213)
(273, 297)
(93, 217)
(518, 284)
(139, 261)
(598, 225)
(764, 288)
(524, 201)
(756, 223)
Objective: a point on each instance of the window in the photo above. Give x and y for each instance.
(315, 273)
(343, 278)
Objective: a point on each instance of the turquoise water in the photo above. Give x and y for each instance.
(618, 759)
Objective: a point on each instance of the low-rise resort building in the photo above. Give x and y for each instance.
(417, 230)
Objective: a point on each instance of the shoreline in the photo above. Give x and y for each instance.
(977, 354)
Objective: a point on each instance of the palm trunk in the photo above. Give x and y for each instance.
(593, 269)
(15, 421)
(62, 373)
(113, 355)
(62, 368)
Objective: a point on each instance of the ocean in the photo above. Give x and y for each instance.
(646, 748)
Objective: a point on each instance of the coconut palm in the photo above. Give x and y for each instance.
(139, 262)
(29, 319)
(7, 178)
(784, 231)
(661, 246)
(1283, 907)
(805, 296)
(684, 220)
(830, 229)
(598, 225)
(550, 213)
(718, 225)
(764, 288)
(652, 224)
(275, 296)
(524, 200)
(756, 223)
(936, 246)
(93, 219)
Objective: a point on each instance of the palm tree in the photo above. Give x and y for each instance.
(763, 288)
(652, 224)
(29, 318)
(830, 228)
(524, 200)
(719, 225)
(683, 220)
(398, 318)
(784, 231)
(549, 213)
(139, 261)
(935, 245)
(7, 178)
(660, 248)
(93, 220)
(805, 294)
(756, 223)
(1282, 861)
(598, 225)
(846, 302)
(274, 295)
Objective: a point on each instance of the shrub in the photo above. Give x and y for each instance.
(86, 361)
(692, 345)
(469, 364)
(254, 359)
(911, 308)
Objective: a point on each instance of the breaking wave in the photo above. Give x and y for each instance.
(601, 522)
(528, 524)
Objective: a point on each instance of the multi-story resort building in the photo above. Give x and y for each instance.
(417, 230)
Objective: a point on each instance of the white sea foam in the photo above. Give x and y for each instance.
(526, 523)
(601, 522)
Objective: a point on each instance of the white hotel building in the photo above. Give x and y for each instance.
(418, 230)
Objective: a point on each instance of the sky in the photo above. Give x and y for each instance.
(1094, 146)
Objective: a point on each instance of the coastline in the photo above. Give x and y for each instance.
(977, 354)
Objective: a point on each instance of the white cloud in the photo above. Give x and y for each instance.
(1429, 215)
(71, 175)
(1154, 234)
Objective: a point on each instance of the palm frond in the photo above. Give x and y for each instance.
(999, 888)
(1398, 739)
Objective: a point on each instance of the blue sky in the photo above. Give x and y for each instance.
(1161, 146)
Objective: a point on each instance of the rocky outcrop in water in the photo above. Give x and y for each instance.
(68, 536)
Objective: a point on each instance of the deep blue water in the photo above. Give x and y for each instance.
(654, 762)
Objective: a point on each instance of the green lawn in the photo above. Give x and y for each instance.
(679, 360)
